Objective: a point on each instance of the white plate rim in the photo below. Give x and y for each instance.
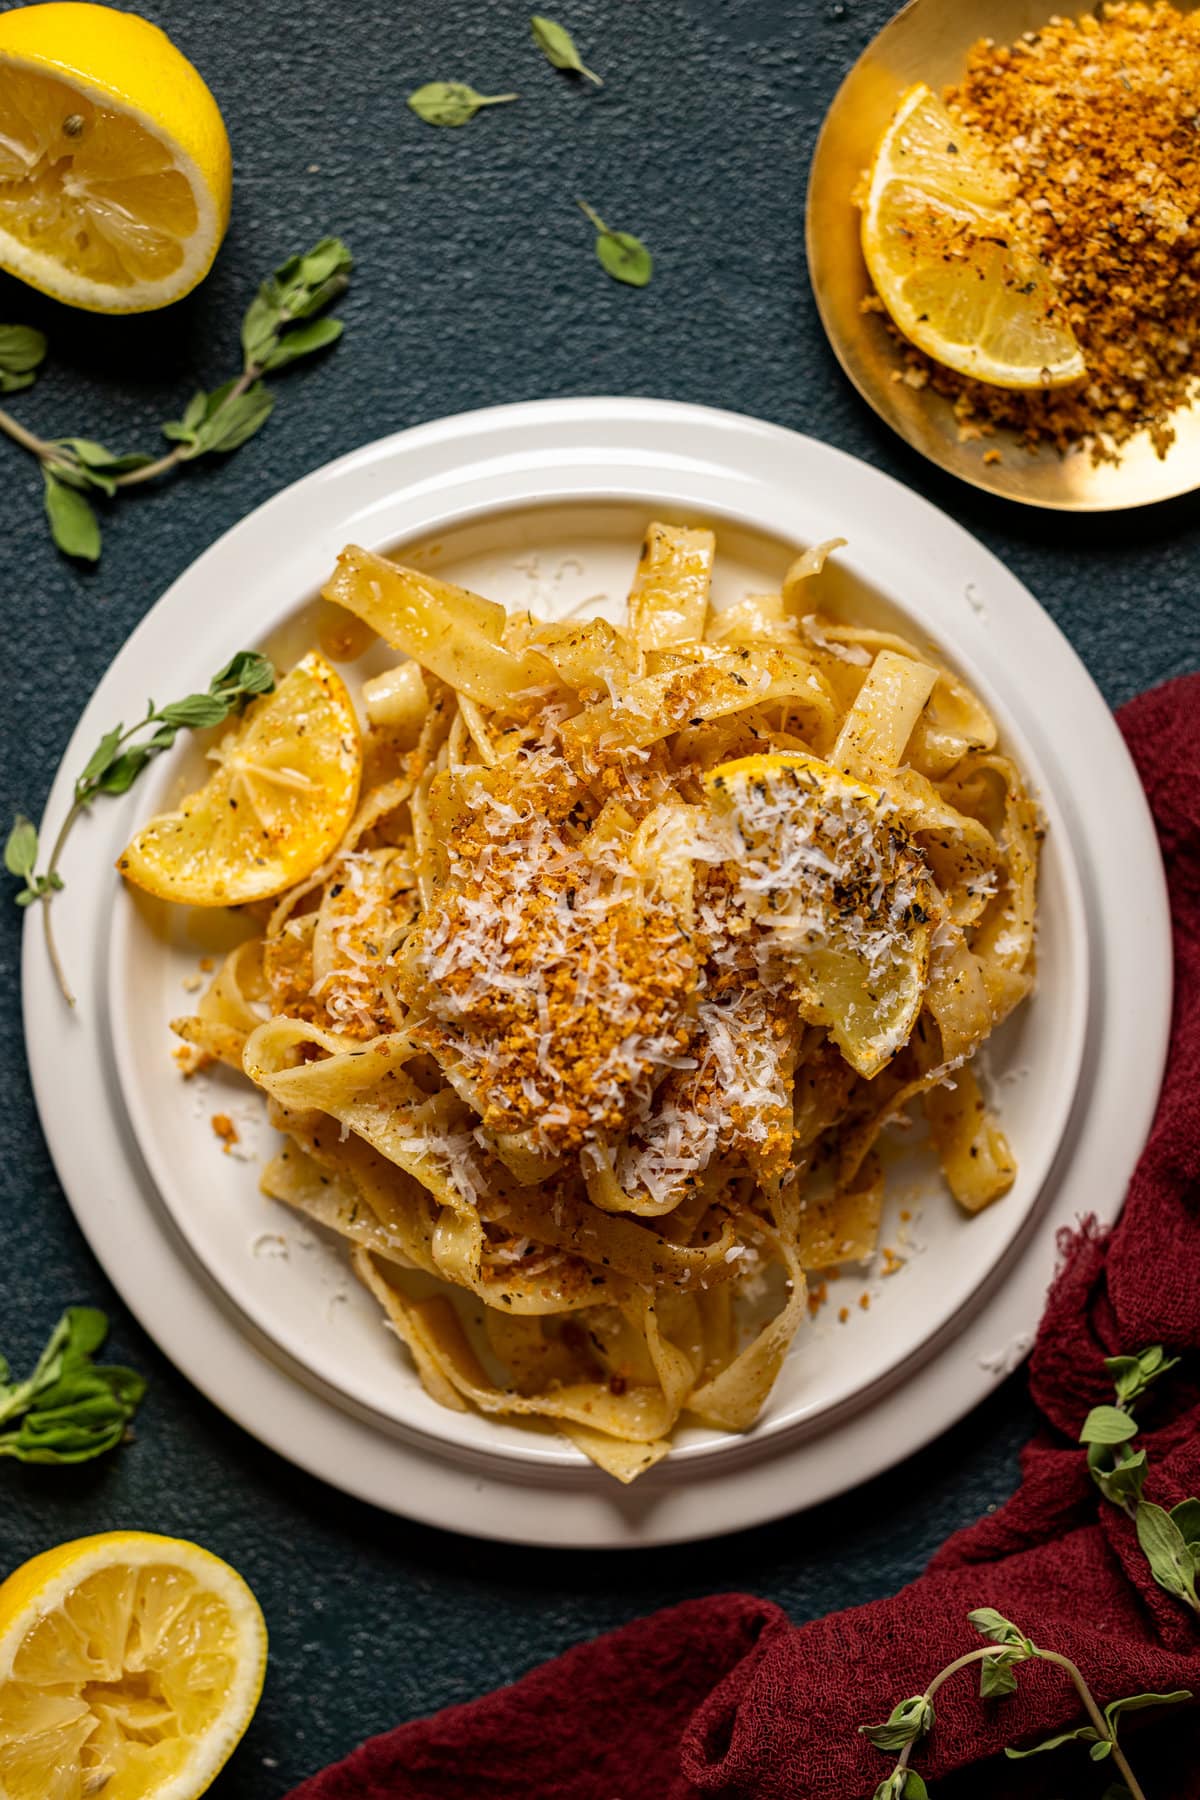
(249, 1379)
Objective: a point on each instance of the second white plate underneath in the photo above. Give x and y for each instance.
(544, 505)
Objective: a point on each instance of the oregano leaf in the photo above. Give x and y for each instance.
(1084, 1734)
(195, 712)
(22, 350)
(1137, 1702)
(992, 1624)
(621, 255)
(558, 47)
(1187, 1516)
(996, 1678)
(1107, 1425)
(451, 102)
(20, 851)
(73, 525)
(1166, 1550)
(303, 340)
(124, 770)
(907, 1721)
(99, 760)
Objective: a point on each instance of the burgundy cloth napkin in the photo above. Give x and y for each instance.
(725, 1697)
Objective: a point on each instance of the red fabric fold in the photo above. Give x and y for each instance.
(723, 1697)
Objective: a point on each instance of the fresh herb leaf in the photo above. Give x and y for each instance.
(1107, 1425)
(73, 525)
(1084, 1734)
(232, 413)
(1187, 1516)
(22, 349)
(246, 674)
(1136, 1702)
(299, 288)
(452, 102)
(905, 1723)
(558, 47)
(304, 340)
(1132, 1375)
(71, 1408)
(20, 859)
(621, 255)
(1123, 1482)
(997, 1677)
(1167, 1552)
(196, 712)
(992, 1624)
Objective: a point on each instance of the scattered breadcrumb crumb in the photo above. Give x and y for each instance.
(843, 1314)
(226, 1130)
(206, 965)
(817, 1297)
(992, 456)
(864, 1300)
(892, 1263)
(192, 984)
(192, 1060)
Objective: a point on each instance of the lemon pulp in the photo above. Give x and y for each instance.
(129, 1672)
(115, 166)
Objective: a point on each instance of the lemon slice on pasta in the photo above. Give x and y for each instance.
(283, 793)
(824, 868)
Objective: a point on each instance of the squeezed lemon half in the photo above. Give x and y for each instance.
(947, 262)
(115, 169)
(284, 791)
(130, 1665)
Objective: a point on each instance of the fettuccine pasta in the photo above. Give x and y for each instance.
(584, 1037)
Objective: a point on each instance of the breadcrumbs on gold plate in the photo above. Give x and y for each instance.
(1098, 120)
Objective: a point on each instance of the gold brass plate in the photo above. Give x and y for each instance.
(928, 41)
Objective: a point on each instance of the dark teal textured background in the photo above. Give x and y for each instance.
(475, 284)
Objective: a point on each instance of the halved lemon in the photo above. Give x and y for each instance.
(130, 1665)
(947, 262)
(844, 899)
(115, 171)
(284, 791)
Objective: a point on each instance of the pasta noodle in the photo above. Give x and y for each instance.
(584, 1038)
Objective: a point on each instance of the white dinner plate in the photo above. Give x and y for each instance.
(544, 505)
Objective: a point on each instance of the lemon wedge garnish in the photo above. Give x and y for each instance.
(947, 262)
(284, 791)
(845, 899)
(115, 172)
(130, 1665)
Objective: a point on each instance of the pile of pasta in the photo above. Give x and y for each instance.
(584, 1037)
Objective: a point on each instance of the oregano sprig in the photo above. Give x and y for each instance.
(998, 1661)
(1170, 1541)
(113, 767)
(620, 254)
(281, 326)
(71, 1408)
